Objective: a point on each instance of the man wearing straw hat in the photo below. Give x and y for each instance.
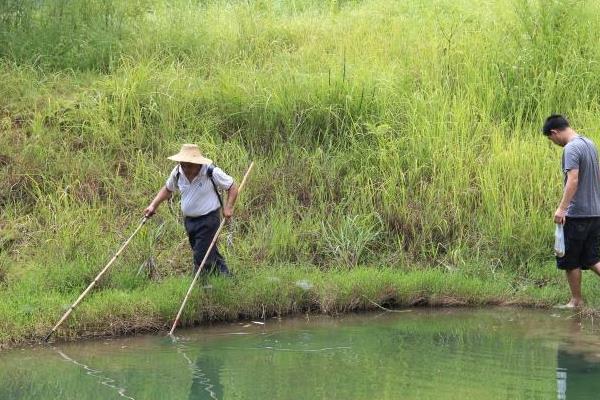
(199, 180)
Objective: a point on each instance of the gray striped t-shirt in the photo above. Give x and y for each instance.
(580, 153)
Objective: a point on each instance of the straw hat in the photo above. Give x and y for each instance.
(190, 153)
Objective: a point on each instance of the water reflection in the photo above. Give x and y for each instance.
(578, 365)
(102, 379)
(205, 382)
(205, 375)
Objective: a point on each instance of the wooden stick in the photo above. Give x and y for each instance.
(206, 257)
(383, 308)
(91, 285)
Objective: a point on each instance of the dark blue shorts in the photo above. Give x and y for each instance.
(582, 242)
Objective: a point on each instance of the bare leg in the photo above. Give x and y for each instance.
(574, 279)
(596, 268)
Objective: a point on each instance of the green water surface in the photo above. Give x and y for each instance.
(419, 354)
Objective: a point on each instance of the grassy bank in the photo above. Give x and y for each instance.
(263, 293)
(401, 135)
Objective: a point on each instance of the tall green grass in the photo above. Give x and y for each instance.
(400, 134)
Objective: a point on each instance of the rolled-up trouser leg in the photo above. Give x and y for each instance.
(201, 231)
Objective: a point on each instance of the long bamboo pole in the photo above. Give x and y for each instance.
(187, 295)
(91, 285)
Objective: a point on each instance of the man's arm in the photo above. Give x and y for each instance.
(232, 193)
(568, 194)
(162, 195)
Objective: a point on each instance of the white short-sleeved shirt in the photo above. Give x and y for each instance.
(199, 197)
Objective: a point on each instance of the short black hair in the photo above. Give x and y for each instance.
(555, 122)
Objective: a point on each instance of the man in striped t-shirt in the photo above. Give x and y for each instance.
(198, 180)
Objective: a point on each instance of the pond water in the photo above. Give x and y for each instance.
(496, 353)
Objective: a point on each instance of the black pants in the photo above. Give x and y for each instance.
(582, 243)
(200, 231)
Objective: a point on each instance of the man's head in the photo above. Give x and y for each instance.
(190, 169)
(190, 159)
(557, 129)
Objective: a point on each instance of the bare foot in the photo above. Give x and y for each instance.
(573, 303)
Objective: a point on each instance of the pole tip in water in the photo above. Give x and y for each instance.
(172, 337)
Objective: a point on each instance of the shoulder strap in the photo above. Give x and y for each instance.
(209, 171)
(177, 177)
